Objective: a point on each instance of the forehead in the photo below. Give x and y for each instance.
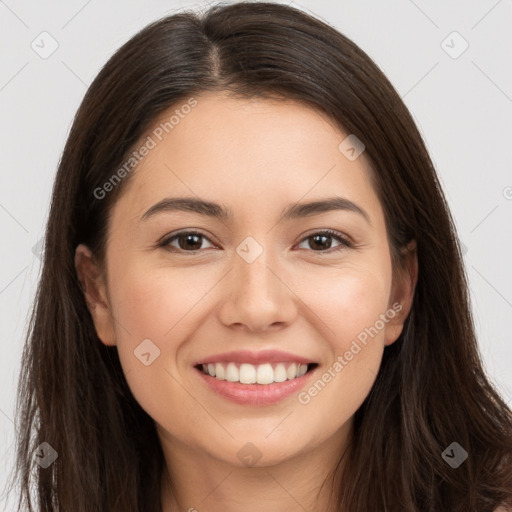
(248, 153)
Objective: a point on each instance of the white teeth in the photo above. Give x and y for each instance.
(232, 373)
(291, 373)
(219, 372)
(280, 374)
(246, 373)
(265, 374)
(302, 369)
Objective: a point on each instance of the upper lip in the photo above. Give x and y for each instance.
(251, 357)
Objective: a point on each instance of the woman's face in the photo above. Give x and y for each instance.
(250, 288)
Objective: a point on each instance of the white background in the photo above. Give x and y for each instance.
(463, 108)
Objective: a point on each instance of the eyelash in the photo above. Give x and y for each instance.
(344, 242)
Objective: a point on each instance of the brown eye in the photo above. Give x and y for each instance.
(323, 241)
(187, 241)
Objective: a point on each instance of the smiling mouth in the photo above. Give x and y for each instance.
(246, 373)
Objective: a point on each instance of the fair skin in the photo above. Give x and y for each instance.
(255, 157)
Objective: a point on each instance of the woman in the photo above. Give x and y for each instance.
(252, 295)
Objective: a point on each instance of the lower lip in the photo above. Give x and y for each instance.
(255, 394)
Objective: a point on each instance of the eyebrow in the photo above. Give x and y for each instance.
(217, 211)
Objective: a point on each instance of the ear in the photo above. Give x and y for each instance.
(95, 292)
(402, 292)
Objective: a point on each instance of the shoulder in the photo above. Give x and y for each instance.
(502, 508)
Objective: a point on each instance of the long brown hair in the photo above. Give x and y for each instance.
(431, 389)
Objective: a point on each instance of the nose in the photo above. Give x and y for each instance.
(258, 297)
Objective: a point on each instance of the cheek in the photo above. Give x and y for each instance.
(154, 312)
(155, 303)
(346, 301)
(166, 305)
(351, 307)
